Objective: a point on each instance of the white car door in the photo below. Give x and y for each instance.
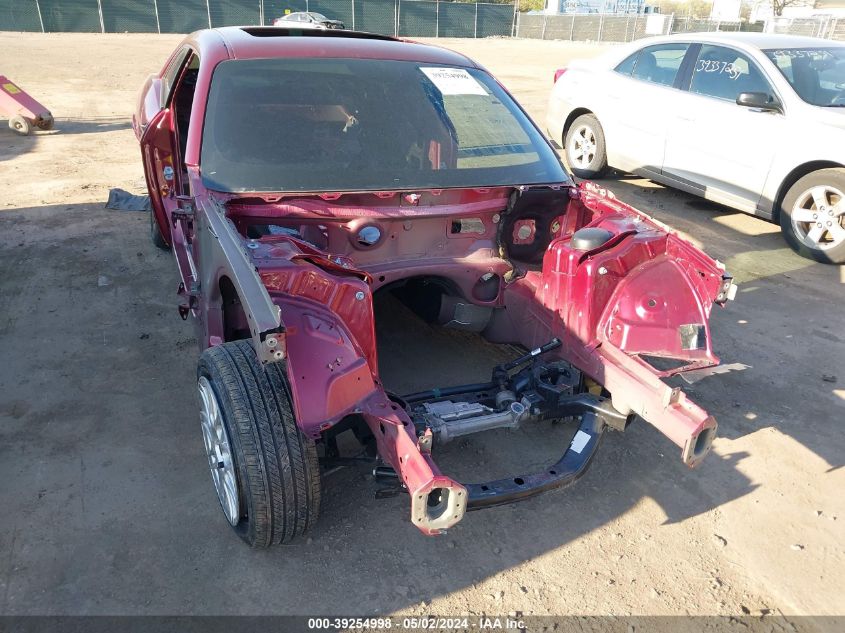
(722, 149)
(639, 99)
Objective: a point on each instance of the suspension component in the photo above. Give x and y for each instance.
(448, 420)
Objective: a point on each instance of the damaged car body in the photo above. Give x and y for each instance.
(296, 175)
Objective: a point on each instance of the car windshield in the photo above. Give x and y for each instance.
(318, 16)
(817, 74)
(328, 124)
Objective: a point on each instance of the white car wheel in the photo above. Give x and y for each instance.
(813, 216)
(585, 148)
(582, 147)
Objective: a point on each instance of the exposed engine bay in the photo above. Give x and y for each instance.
(609, 301)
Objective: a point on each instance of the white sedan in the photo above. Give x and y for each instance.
(750, 120)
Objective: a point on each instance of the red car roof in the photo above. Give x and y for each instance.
(269, 42)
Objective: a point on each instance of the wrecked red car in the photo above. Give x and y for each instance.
(296, 174)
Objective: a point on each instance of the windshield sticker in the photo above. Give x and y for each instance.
(715, 66)
(454, 81)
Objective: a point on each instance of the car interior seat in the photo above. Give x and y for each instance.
(646, 67)
(805, 78)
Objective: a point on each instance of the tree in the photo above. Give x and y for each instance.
(531, 5)
(779, 5)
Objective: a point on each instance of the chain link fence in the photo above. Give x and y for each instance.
(593, 27)
(402, 18)
(695, 25)
(837, 30)
(821, 26)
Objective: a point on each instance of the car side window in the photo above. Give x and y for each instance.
(659, 64)
(170, 75)
(183, 101)
(724, 73)
(627, 67)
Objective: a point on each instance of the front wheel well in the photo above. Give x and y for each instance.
(570, 119)
(794, 176)
(235, 323)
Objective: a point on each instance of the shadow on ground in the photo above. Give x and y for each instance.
(92, 125)
(12, 144)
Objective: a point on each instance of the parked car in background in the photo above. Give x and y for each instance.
(750, 120)
(308, 20)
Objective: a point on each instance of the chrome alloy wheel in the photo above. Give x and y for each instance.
(219, 452)
(818, 216)
(582, 147)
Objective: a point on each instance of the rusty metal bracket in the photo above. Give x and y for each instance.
(192, 296)
(185, 308)
(185, 213)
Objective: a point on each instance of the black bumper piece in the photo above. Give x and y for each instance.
(596, 413)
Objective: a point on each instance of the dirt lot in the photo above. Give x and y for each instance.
(107, 504)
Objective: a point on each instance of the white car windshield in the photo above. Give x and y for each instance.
(816, 74)
(330, 124)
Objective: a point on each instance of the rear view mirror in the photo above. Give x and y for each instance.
(759, 100)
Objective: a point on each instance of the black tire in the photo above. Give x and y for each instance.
(155, 234)
(20, 125)
(47, 123)
(798, 234)
(597, 165)
(277, 472)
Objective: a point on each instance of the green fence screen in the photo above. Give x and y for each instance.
(182, 16)
(418, 18)
(129, 16)
(411, 18)
(456, 20)
(494, 20)
(19, 15)
(376, 16)
(72, 16)
(234, 12)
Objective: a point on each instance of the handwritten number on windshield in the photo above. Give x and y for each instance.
(813, 55)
